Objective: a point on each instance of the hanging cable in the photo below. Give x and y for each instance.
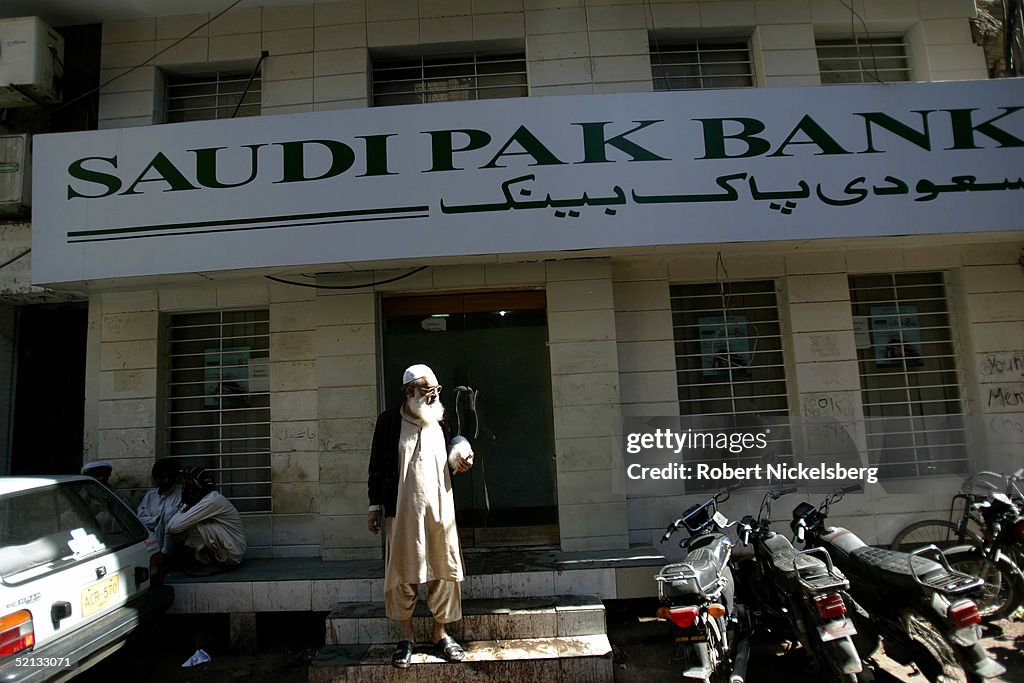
(139, 66)
(853, 30)
(368, 284)
(248, 84)
(15, 258)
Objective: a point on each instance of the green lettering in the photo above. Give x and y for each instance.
(78, 170)
(377, 154)
(166, 172)
(595, 142)
(531, 146)
(715, 137)
(816, 136)
(964, 128)
(442, 146)
(206, 167)
(921, 138)
(293, 160)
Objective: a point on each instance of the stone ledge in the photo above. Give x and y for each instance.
(585, 658)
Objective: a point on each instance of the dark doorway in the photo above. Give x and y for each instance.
(49, 396)
(496, 344)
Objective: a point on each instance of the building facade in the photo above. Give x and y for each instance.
(255, 285)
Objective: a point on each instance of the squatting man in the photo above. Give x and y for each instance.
(412, 458)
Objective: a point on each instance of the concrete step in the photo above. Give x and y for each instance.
(570, 659)
(562, 616)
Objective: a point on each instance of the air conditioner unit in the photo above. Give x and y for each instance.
(15, 175)
(31, 63)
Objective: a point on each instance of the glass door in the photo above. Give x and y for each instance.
(489, 352)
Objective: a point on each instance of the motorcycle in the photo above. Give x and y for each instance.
(697, 596)
(996, 558)
(920, 606)
(799, 593)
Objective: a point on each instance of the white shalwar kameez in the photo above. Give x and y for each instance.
(423, 541)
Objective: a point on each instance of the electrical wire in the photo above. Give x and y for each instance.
(248, 84)
(139, 66)
(853, 31)
(752, 333)
(15, 258)
(368, 284)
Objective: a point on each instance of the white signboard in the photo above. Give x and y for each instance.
(532, 174)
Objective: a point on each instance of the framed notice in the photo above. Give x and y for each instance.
(724, 345)
(896, 335)
(227, 377)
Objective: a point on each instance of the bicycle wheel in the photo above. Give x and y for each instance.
(939, 532)
(1004, 586)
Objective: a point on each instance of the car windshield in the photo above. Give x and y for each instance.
(45, 529)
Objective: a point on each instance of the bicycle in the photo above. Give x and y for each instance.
(985, 541)
(967, 528)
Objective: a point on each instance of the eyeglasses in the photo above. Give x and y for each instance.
(429, 391)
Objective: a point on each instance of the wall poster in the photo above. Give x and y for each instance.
(724, 345)
(896, 335)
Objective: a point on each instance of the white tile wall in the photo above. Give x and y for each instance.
(610, 325)
(560, 35)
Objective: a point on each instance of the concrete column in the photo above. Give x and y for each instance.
(585, 387)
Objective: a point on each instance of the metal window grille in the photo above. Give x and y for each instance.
(863, 60)
(218, 400)
(729, 361)
(910, 381)
(701, 64)
(211, 96)
(450, 78)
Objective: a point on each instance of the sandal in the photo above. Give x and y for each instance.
(448, 650)
(401, 658)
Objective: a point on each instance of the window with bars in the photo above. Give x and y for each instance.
(218, 400)
(863, 60)
(448, 78)
(211, 96)
(695, 65)
(910, 382)
(730, 368)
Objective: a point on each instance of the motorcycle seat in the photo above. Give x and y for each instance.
(706, 563)
(894, 565)
(785, 559)
(702, 566)
(810, 571)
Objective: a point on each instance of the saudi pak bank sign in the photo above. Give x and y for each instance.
(534, 174)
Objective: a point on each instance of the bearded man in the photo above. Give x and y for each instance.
(410, 488)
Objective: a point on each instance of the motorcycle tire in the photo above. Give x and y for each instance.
(1004, 584)
(931, 652)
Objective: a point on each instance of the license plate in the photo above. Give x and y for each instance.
(100, 594)
(699, 638)
(834, 630)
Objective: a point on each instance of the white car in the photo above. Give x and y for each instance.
(78, 575)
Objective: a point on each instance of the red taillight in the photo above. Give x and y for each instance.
(1020, 528)
(830, 605)
(963, 613)
(683, 617)
(16, 633)
(157, 569)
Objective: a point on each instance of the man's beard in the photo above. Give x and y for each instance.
(427, 412)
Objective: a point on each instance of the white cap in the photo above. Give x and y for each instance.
(96, 465)
(414, 372)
